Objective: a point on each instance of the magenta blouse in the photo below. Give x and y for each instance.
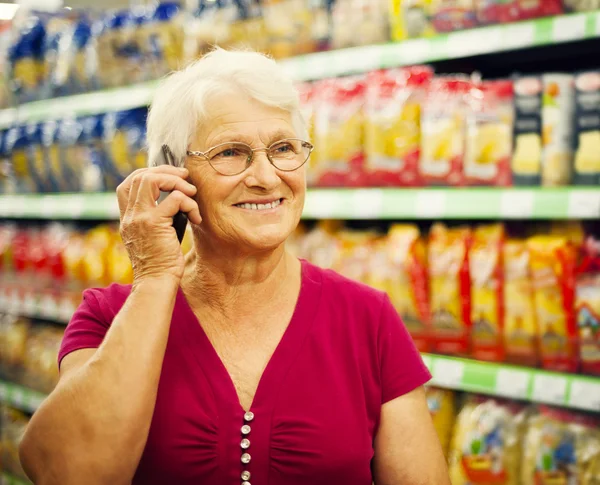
(316, 410)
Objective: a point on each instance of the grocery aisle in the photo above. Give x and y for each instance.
(456, 167)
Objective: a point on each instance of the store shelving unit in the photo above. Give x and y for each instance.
(8, 479)
(20, 397)
(368, 203)
(54, 307)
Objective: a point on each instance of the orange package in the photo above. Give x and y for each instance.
(487, 304)
(552, 263)
(450, 288)
(520, 326)
(406, 261)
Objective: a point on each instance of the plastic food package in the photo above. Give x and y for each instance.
(119, 269)
(487, 303)
(248, 27)
(552, 264)
(411, 18)
(408, 288)
(443, 131)
(96, 174)
(587, 128)
(359, 22)
(37, 160)
(164, 39)
(532, 9)
(487, 443)
(587, 307)
(450, 291)
(339, 132)
(354, 254)
(520, 326)
(497, 11)
(307, 94)
(13, 345)
(450, 15)
(41, 370)
(13, 424)
(393, 125)
(287, 37)
(557, 127)
(16, 144)
(582, 5)
(560, 448)
(67, 151)
(490, 134)
(441, 404)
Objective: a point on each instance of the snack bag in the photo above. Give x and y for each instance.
(520, 326)
(560, 448)
(587, 307)
(359, 22)
(451, 15)
(119, 268)
(308, 102)
(66, 151)
(486, 445)
(164, 38)
(393, 125)
(339, 132)
(49, 137)
(91, 152)
(557, 126)
(490, 134)
(16, 144)
(206, 26)
(37, 160)
(248, 27)
(487, 303)
(581, 6)
(527, 156)
(410, 19)
(13, 345)
(354, 253)
(441, 404)
(449, 287)
(552, 265)
(27, 61)
(587, 128)
(531, 9)
(40, 359)
(408, 287)
(443, 131)
(497, 11)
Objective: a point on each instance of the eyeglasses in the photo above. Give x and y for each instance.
(233, 158)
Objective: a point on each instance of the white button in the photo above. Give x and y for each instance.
(246, 458)
(245, 483)
(246, 429)
(246, 475)
(245, 444)
(249, 416)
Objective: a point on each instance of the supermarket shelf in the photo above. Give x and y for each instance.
(369, 203)
(8, 479)
(20, 397)
(514, 382)
(54, 308)
(455, 45)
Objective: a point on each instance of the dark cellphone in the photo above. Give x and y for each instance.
(180, 219)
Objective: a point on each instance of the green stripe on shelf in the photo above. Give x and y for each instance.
(20, 397)
(8, 479)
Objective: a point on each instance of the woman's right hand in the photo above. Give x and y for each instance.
(147, 228)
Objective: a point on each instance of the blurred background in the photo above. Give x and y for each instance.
(456, 167)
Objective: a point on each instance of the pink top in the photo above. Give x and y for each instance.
(316, 409)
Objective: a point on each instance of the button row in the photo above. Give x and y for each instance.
(245, 444)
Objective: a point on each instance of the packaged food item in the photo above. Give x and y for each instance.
(490, 134)
(487, 302)
(308, 94)
(393, 125)
(11, 432)
(450, 288)
(287, 38)
(587, 128)
(531, 9)
(557, 127)
(560, 447)
(442, 406)
(91, 152)
(552, 265)
(164, 38)
(97, 243)
(16, 144)
(408, 288)
(527, 155)
(67, 151)
(581, 5)
(443, 131)
(248, 26)
(587, 306)
(354, 254)
(359, 22)
(13, 345)
(487, 443)
(339, 126)
(497, 11)
(37, 160)
(41, 370)
(208, 25)
(119, 269)
(450, 15)
(49, 139)
(520, 326)
(410, 19)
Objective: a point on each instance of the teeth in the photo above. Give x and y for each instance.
(270, 205)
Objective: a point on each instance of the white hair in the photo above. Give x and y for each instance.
(179, 104)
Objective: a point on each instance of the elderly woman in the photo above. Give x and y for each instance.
(238, 364)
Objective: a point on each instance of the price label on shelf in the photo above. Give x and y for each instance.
(584, 204)
(517, 204)
(550, 389)
(430, 204)
(448, 373)
(367, 204)
(585, 395)
(518, 35)
(512, 383)
(571, 27)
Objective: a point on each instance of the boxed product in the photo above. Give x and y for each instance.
(443, 131)
(450, 288)
(520, 326)
(410, 18)
(558, 112)
(393, 125)
(490, 134)
(552, 265)
(527, 154)
(450, 15)
(442, 406)
(487, 303)
(587, 129)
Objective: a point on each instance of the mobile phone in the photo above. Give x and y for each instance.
(180, 219)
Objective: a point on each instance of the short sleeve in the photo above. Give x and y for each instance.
(87, 327)
(401, 366)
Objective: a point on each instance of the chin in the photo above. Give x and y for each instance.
(264, 238)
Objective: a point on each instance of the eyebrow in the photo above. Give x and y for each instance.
(273, 137)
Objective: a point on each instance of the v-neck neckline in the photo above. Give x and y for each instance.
(278, 365)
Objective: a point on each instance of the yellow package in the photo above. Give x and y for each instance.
(410, 18)
(442, 406)
(353, 257)
(560, 448)
(520, 326)
(486, 446)
(118, 268)
(97, 243)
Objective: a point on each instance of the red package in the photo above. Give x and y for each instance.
(497, 11)
(443, 131)
(393, 125)
(451, 15)
(307, 93)
(533, 9)
(490, 134)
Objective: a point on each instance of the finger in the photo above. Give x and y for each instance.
(177, 201)
(153, 183)
(124, 190)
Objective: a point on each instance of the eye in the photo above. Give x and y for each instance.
(231, 152)
(284, 148)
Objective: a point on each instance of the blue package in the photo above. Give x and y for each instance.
(91, 145)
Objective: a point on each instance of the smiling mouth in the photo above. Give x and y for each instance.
(260, 207)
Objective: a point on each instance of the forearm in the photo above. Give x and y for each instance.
(94, 426)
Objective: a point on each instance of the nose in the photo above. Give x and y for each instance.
(262, 174)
